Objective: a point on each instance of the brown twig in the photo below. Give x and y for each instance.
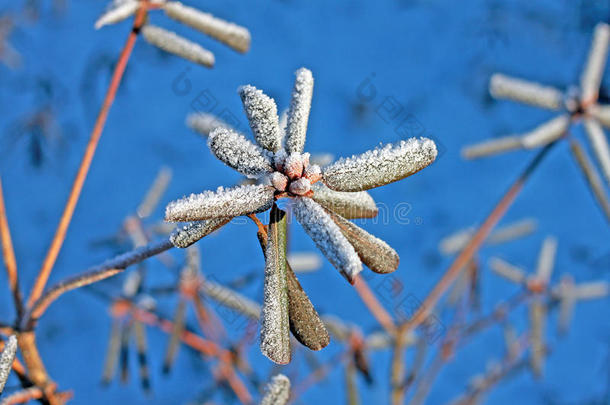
(81, 175)
(8, 254)
(373, 305)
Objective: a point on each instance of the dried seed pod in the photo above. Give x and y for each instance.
(328, 237)
(223, 203)
(117, 13)
(349, 205)
(375, 253)
(205, 123)
(237, 152)
(185, 235)
(233, 35)
(262, 116)
(380, 166)
(277, 392)
(275, 325)
(492, 147)
(6, 359)
(594, 69)
(546, 133)
(599, 144)
(173, 43)
(298, 115)
(305, 323)
(502, 86)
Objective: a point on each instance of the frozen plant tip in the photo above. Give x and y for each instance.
(173, 43)
(277, 391)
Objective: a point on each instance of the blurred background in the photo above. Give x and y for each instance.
(429, 59)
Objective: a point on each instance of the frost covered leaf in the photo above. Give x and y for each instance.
(599, 144)
(298, 115)
(262, 116)
(546, 133)
(594, 69)
(223, 203)
(233, 35)
(275, 326)
(304, 262)
(507, 270)
(205, 123)
(277, 392)
(375, 253)
(305, 323)
(380, 166)
(601, 113)
(119, 11)
(328, 237)
(185, 235)
(338, 328)
(349, 205)
(537, 315)
(239, 153)
(502, 86)
(173, 43)
(546, 259)
(231, 299)
(6, 359)
(492, 147)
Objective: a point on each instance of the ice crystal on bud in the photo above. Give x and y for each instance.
(298, 115)
(380, 166)
(279, 181)
(300, 187)
(223, 203)
(239, 153)
(327, 236)
(293, 166)
(262, 115)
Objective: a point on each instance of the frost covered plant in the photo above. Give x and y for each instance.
(322, 201)
(230, 34)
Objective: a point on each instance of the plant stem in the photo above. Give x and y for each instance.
(8, 254)
(81, 175)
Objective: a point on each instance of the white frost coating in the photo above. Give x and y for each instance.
(304, 262)
(546, 259)
(594, 69)
(349, 205)
(546, 133)
(380, 166)
(592, 290)
(118, 12)
(507, 270)
(173, 43)
(277, 392)
(223, 203)
(601, 113)
(502, 86)
(231, 299)
(6, 359)
(328, 237)
(262, 116)
(599, 143)
(185, 235)
(300, 186)
(298, 115)
(205, 123)
(233, 35)
(236, 151)
(492, 147)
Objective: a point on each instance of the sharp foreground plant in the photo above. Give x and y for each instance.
(322, 200)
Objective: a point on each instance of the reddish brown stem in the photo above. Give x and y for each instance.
(83, 170)
(373, 305)
(8, 254)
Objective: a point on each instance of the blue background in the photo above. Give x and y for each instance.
(433, 57)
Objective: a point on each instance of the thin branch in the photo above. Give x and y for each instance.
(8, 254)
(81, 175)
(374, 306)
(475, 243)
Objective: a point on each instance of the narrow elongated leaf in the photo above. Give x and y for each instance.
(185, 235)
(141, 347)
(117, 13)
(275, 326)
(375, 253)
(236, 151)
(226, 32)
(546, 133)
(502, 86)
(304, 262)
(507, 270)
(298, 115)
(567, 300)
(351, 387)
(6, 359)
(112, 353)
(380, 166)
(305, 323)
(349, 205)
(178, 324)
(204, 123)
(601, 113)
(231, 299)
(328, 237)
(546, 259)
(594, 69)
(177, 45)
(124, 352)
(223, 203)
(262, 116)
(277, 392)
(492, 147)
(599, 144)
(592, 290)
(537, 330)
